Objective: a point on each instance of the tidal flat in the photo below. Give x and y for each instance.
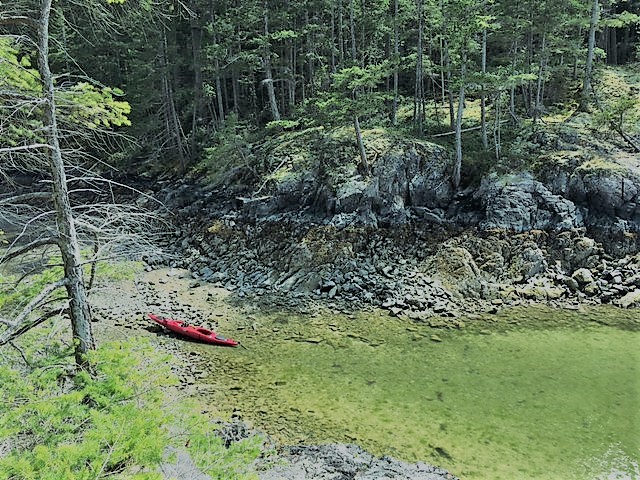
(529, 393)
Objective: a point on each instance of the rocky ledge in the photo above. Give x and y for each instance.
(421, 271)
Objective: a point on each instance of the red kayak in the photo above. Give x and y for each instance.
(197, 333)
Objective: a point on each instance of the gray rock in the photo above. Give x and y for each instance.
(583, 276)
(346, 462)
(520, 203)
(631, 299)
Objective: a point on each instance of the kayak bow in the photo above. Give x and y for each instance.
(197, 333)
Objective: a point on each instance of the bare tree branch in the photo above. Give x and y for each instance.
(21, 323)
(26, 197)
(10, 255)
(10, 334)
(21, 148)
(19, 20)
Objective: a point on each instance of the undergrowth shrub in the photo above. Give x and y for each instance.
(56, 424)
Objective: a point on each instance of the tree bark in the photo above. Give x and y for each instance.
(483, 96)
(173, 128)
(79, 310)
(418, 98)
(537, 110)
(266, 60)
(588, 69)
(196, 48)
(457, 166)
(396, 53)
(352, 29)
(364, 164)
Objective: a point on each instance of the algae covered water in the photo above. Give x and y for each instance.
(534, 393)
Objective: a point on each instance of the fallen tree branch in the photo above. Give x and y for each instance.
(628, 139)
(21, 323)
(470, 129)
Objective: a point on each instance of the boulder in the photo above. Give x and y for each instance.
(631, 299)
(520, 203)
(583, 276)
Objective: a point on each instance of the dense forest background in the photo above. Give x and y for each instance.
(192, 69)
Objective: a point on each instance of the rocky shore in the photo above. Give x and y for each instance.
(123, 309)
(564, 231)
(424, 273)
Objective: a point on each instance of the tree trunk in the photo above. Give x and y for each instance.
(537, 111)
(364, 165)
(588, 69)
(447, 63)
(457, 166)
(196, 47)
(418, 98)
(483, 96)
(266, 60)
(396, 53)
(172, 122)
(612, 53)
(216, 69)
(497, 141)
(341, 53)
(310, 53)
(79, 310)
(352, 29)
(333, 38)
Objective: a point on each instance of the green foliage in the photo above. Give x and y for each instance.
(111, 424)
(103, 424)
(16, 71)
(354, 92)
(228, 149)
(620, 114)
(92, 107)
(12, 294)
(81, 104)
(209, 453)
(280, 125)
(621, 20)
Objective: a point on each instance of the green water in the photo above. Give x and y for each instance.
(532, 394)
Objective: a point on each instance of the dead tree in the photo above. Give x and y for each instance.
(57, 220)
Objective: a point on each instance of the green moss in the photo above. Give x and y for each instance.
(529, 393)
(114, 271)
(601, 166)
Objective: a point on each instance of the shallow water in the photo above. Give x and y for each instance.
(528, 394)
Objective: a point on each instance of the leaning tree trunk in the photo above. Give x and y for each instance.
(69, 248)
(364, 164)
